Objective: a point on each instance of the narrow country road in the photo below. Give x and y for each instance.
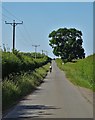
(55, 98)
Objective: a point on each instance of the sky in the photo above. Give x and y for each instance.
(41, 18)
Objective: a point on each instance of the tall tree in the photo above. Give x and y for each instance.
(67, 43)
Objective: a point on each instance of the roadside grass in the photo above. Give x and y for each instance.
(24, 84)
(80, 72)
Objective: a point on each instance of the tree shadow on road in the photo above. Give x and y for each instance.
(37, 107)
(34, 111)
(31, 111)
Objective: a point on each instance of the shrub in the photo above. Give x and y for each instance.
(24, 84)
(15, 63)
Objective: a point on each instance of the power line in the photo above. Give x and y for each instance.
(24, 37)
(24, 27)
(3, 15)
(27, 34)
(13, 24)
(10, 13)
(2, 19)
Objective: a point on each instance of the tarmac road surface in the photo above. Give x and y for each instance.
(55, 98)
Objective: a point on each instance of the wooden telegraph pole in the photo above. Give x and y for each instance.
(14, 25)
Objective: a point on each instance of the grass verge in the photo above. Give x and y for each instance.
(14, 90)
(80, 72)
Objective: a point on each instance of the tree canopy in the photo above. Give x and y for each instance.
(67, 43)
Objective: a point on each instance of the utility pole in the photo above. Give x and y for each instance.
(35, 49)
(46, 52)
(13, 24)
(42, 51)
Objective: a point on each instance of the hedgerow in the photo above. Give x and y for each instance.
(13, 91)
(21, 75)
(15, 63)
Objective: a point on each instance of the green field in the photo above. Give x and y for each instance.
(80, 72)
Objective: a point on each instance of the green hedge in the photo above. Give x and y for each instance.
(24, 84)
(14, 63)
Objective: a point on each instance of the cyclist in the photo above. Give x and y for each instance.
(50, 68)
